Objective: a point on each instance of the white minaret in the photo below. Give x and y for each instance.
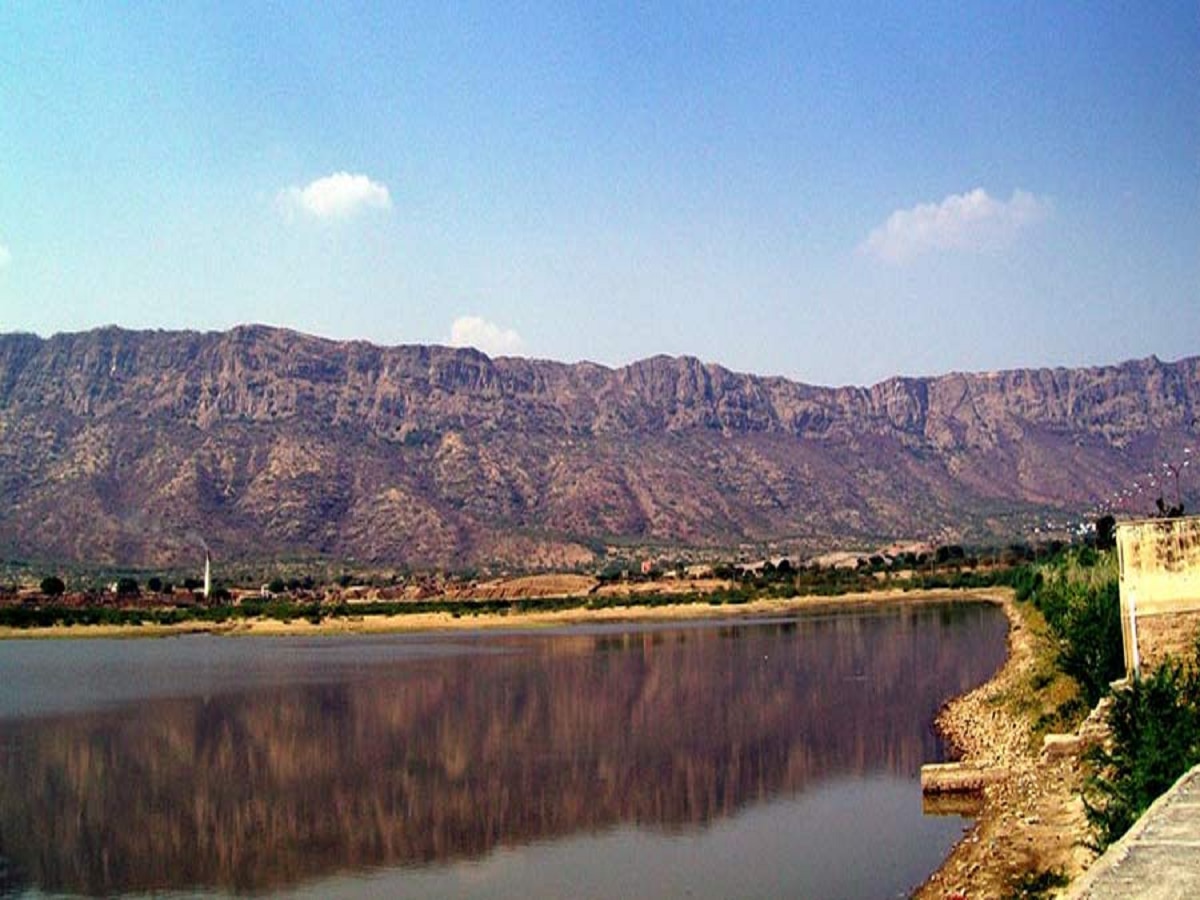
(207, 576)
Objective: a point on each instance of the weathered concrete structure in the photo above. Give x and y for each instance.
(1160, 588)
(1158, 858)
(958, 778)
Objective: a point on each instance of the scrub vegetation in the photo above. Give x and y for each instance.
(125, 603)
(1155, 725)
(1153, 721)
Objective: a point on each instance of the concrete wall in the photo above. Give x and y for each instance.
(1160, 587)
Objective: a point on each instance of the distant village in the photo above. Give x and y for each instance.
(621, 570)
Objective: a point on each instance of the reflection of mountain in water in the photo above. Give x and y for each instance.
(439, 759)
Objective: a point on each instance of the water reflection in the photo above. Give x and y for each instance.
(420, 759)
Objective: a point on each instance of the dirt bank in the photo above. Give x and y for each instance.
(1032, 818)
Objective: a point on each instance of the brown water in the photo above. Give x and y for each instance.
(750, 759)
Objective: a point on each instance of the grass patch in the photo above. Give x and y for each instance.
(1044, 696)
(1043, 883)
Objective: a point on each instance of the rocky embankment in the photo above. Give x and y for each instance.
(1031, 819)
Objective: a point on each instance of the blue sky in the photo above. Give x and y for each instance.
(833, 192)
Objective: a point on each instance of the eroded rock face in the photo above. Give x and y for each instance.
(114, 445)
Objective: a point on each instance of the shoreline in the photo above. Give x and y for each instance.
(1031, 819)
(403, 623)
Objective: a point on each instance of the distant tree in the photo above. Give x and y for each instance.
(278, 586)
(1015, 553)
(53, 586)
(1168, 512)
(613, 570)
(948, 553)
(192, 584)
(127, 587)
(154, 584)
(1106, 532)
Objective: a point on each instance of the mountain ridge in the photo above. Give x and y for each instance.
(116, 444)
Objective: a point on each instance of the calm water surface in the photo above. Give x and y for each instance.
(747, 759)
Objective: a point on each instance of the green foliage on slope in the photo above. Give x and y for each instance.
(1155, 725)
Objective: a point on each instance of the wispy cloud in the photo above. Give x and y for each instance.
(971, 221)
(5, 257)
(337, 196)
(492, 339)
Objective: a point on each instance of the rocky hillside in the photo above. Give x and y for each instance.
(131, 447)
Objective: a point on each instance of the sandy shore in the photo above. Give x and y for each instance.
(445, 621)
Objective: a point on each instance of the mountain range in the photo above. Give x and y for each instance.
(133, 447)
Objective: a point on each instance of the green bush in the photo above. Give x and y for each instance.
(1092, 651)
(1155, 726)
(1025, 580)
(1085, 616)
(53, 586)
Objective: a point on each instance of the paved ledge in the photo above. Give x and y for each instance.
(1159, 858)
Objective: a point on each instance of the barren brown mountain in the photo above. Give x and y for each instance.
(126, 447)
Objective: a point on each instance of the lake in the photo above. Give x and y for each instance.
(738, 758)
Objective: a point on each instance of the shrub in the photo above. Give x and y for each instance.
(53, 586)
(1085, 617)
(1092, 652)
(1025, 581)
(1155, 725)
(1042, 883)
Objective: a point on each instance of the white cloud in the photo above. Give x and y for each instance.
(336, 196)
(492, 339)
(970, 221)
(5, 257)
